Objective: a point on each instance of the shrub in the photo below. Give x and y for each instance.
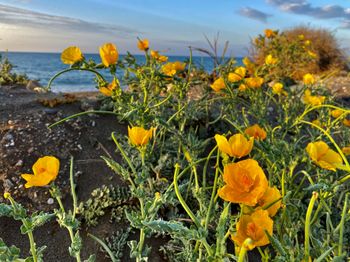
(300, 50)
(7, 77)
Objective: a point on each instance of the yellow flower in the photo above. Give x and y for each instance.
(307, 42)
(158, 57)
(317, 122)
(7, 195)
(143, 44)
(301, 37)
(336, 113)
(272, 200)
(256, 131)
(45, 170)
(171, 68)
(253, 226)
(109, 54)
(254, 82)
(245, 182)
(108, 91)
(346, 150)
(323, 156)
(236, 146)
(308, 79)
(269, 33)
(139, 136)
(270, 60)
(71, 55)
(218, 84)
(248, 64)
(313, 100)
(242, 87)
(238, 74)
(277, 89)
(346, 122)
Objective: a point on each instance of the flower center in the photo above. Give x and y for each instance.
(246, 182)
(253, 231)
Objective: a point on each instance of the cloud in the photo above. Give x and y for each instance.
(254, 14)
(26, 18)
(303, 7)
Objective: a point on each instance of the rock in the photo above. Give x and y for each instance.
(19, 163)
(7, 184)
(32, 84)
(50, 201)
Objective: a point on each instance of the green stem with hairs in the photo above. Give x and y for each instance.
(308, 225)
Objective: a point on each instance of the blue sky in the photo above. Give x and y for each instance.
(171, 26)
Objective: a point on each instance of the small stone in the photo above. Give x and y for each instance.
(93, 123)
(19, 163)
(10, 122)
(50, 201)
(7, 184)
(80, 147)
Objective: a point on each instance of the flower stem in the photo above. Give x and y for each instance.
(32, 246)
(244, 250)
(308, 224)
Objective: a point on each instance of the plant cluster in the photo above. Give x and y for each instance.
(7, 77)
(253, 164)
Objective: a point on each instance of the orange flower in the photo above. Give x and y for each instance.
(346, 122)
(336, 113)
(242, 87)
(171, 68)
(245, 182)
(143, 44)
(269, 33)
(323, 156)
(139, 136)
(309, 79)
(108, 91)
(254, 82)
(253, 226)
(248, 64)
(238, 74)
(270, 60)
(158, 57)
(313, 100)
(236, 146)
(277, 89)
(346, 150)
(71, 55)
(45, 170)
(256, 131)
(272, 200)
(109, 54)
(218, 84)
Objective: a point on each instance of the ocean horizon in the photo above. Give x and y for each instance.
(42, 66)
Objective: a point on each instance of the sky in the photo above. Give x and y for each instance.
(170, 26)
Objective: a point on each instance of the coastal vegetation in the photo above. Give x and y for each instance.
(247, 162)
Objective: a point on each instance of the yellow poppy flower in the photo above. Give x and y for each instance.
(245, 182)
(346, 122)
(253, 226)
(242, 87)
(309, 79)
(256, 131)
(313, 100)
(139, 136)
(336, 113)
(307, 42)
(277, 89)
(45, 170)
(143, 44)
(270, 60)
(158, 57)
(323, 156)
(317, 122)
(236, 146)
(109, 54)
(171, 68)
(301, 37)
(311, 54)
(218, 84)
(237, 75)
(248, 64)
(346, 150)
(269, 33)
(254, 82)
(108, 91)
(272, 200)
(71, 55)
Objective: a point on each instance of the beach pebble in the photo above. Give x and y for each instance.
(19, 163)
(50, 201)
(7, 184)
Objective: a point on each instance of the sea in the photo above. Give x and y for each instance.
(43, 66)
